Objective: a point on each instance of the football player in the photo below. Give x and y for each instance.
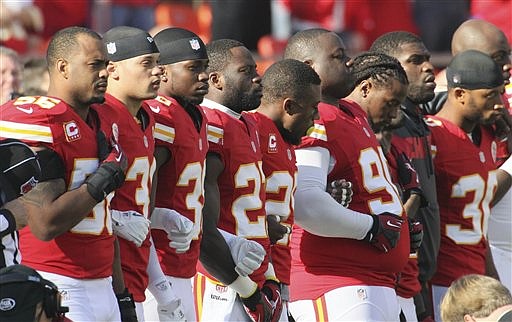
(345, 261)
(69, 235)
(291, 93)
(412, 137)
(234, 189)
(464, 158)
(132, 55)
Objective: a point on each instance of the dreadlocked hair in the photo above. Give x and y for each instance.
(381, 68)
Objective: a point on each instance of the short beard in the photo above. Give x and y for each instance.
(288, 136)
(189, 100)
(249, 102)
(417, 96)
(96, 100)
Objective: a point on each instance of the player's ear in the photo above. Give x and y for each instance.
(215, 80)
(290, 106)
(165, 73)
(112, 70)
(365, 87)
(62, 66)
(460, 94)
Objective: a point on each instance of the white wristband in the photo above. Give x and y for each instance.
(244, 286)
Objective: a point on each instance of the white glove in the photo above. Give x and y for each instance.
(130, 225)
(173, 311)
(247, 254)
(180, 230)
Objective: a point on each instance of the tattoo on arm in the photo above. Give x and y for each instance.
(45, 192)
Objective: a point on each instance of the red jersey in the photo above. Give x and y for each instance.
(134, 194)
(180, 180)
(466, 183)
(280, 169)
(242, 183)
(86, 251)
(321, 264)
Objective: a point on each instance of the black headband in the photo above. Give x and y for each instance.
(127, 42)
(177, 44)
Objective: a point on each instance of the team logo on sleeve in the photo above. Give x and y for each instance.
(272, 143)
(115, 132)
(145, 139)
(71, 130)
(482, 156)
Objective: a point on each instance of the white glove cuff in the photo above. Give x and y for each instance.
(244, 286)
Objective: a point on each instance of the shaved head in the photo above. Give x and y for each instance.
(481, 35)
(478, 35)
(303, 44)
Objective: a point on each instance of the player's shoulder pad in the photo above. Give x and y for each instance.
(159, 105)
(40, 104)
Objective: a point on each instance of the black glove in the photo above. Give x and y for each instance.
(385, 231)
(110, 152)
(415, 234)
(272, 289)
(110, 174)
(107, 178)
(276, 231)
(258, 307)
(126, 306)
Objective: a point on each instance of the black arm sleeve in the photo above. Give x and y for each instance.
(52, 166)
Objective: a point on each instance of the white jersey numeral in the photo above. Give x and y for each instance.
(142, 169)
(193, 174)
(376, 178)
(477, 210)
(98, 220)
(276, 182)
(246, 174)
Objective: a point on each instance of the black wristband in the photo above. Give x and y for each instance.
(11, 227)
